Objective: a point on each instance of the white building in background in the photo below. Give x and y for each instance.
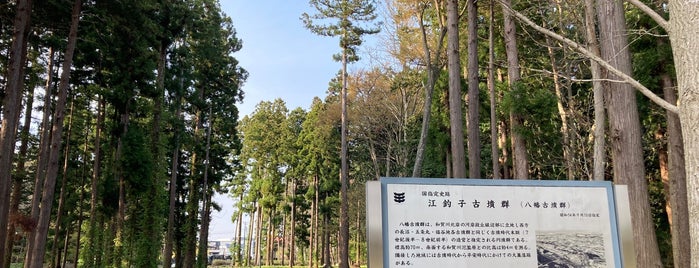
(219, 249)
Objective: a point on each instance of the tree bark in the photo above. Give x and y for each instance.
(684, 36)
(625, 131)
(248, 246)
(37, 254)
(491, 88)
(676, 195)
(455, 113)
(562, 113)
(170, 233)
(62, 191)
(327, 262)
(43, 155)
(474, 140)
(292, 237)
(432, 70)
(10, 111)
(520, 159)
(343, 242)
(17, 180)
(206, 200)
(96, 173)
(258, 235)
(599, 154)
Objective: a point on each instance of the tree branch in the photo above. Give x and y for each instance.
(628, 79)
(650, 12)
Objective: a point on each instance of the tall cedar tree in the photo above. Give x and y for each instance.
(37, 255)
(346, 14)
(458, 163)
(10, 110)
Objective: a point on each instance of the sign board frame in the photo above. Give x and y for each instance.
(378, 230)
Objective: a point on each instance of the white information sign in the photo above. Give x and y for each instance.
(498, 223)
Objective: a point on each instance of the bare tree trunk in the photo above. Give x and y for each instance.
(206, 200)
(567, 146)
(474, 139)
(292, 237)
(684, 36)
(358, 234)
(327, 262)
(520, 159)
(43, 155)
(455, 114)
(258, 236)
(62, 191)
(313, 245)
(269, 248)
(96, 173)
(248, 247)
(62, 256)
(625, 131)
(238, 260)
(285, 239)
(81, 198)
(193, 198)
(432, 69)
(343, 242)
(170, 233)
(599, 154)
(676, 194)
(10, 111)
(491, 88)
(37, 254)
(19, 178)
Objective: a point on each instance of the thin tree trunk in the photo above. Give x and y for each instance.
(327, 262)
(10, 111)
(43, 155)
(560, 98)
(81, 197)
(625, 131)
(37, 254)
(206, 199)
(238, 237)
(474, 139)
(258, 235)
(432, 69)
(248, 246)
(62, 257)
(676, 195)
(292, 237)
(455, 113)
(170, 234)
(491, 88)
(358, 234)
(270, 238)
(520, 160)
(284, 234)
(96, 173)
(599, 154)
(120, 181)
(313, 244)
(62, 191)
(193, 198)
(18, 179)
(343, 242)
